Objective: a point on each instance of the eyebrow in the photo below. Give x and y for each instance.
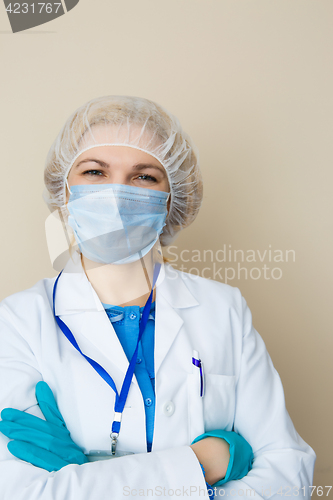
(138, 166)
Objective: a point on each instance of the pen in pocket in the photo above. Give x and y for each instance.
(196, 361)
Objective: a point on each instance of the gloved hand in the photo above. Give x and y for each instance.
(241, 454)
(45, 444)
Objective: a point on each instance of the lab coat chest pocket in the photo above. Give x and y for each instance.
(216, 409)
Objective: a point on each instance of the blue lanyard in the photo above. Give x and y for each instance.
(120, 399)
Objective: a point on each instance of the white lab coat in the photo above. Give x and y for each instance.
(243, 391)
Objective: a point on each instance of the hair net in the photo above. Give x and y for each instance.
(138, 123)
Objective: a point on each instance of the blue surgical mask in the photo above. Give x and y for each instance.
(116, 223)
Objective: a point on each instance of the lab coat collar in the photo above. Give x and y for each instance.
(172, 287)
(75, 293)
(172, 295)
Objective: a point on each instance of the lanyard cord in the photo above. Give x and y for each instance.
(120, 399)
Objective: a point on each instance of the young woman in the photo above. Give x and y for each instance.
(161, 381)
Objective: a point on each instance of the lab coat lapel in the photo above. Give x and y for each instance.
(97, 328)
(172, 295)
(78, 305)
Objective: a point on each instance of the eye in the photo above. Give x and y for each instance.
(146, 177)
(93, 172)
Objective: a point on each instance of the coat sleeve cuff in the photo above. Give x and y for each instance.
(210, 490)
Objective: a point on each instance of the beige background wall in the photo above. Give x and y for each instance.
(251, 81)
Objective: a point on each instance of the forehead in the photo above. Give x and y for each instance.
(130, 134)
(122, 154)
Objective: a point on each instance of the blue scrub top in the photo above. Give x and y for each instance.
(126, 321)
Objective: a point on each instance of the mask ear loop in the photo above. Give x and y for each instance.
(63, 222)
(69, 189)
(145, 270)
(167, 200)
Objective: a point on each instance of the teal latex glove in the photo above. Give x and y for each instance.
(45, 444)
(241, 455)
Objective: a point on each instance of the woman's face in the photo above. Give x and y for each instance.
(118, 165)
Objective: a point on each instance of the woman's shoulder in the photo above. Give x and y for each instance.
(26, 301)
